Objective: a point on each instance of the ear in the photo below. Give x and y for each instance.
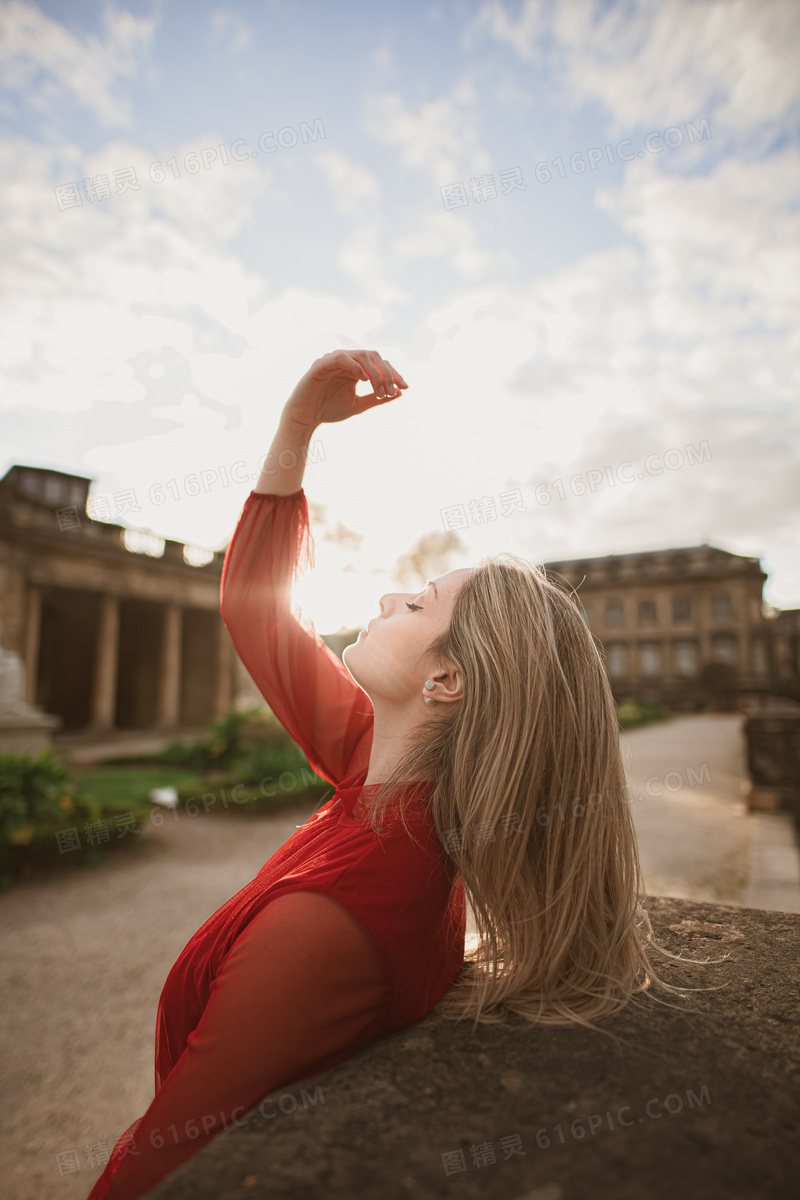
(449, 686)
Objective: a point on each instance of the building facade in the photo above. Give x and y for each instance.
(685, 627)
(111, 638)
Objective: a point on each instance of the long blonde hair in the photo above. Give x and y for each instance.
(531, 807)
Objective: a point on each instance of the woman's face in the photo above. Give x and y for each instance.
(386, 659)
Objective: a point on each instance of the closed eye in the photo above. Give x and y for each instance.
(413, 607)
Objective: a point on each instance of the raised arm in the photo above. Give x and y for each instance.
(304, 682)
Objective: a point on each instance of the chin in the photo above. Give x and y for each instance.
(349, 652)
(356, 661)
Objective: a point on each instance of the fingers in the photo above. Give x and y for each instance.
(386, 382)
(348, 360)
(380, 376)
(398, 378)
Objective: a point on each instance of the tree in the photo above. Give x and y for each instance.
(429, 556)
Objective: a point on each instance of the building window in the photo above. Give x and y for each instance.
(614, 614)
(681, 609)
(53, 490)
(30, 483)
(647, 610)
(721, 607)
(685, 658)
(759, 658)
(650, 657)
(724, 650)
(617, 662)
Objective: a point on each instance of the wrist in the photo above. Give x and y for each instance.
(291, 420)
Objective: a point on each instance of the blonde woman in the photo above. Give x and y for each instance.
(472, 740)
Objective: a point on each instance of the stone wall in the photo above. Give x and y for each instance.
(773, 759)
(696, 1099)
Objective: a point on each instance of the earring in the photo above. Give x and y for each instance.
(430, 685)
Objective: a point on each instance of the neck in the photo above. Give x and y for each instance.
(391, 735)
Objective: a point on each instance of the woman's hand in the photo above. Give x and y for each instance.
(327, 391)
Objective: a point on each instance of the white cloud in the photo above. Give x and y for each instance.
(86, 290)
(452, 235)
(683, 330)
(357, 195)
(228, 28)
(440, 138)
(722, 250)
(356, 190)
(686, 334)
(49, 66)
(660, 63)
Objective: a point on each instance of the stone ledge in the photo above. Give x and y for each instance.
(722, 1083)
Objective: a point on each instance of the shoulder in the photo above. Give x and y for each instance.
(404, 859)
(308, 932)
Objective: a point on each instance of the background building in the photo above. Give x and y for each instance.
(112, 637)
(685, 627)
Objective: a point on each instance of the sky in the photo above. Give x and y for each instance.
(573, 227)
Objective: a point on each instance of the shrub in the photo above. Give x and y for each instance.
(32, 788)
(632, 713)
(43, 815)
(233, 735)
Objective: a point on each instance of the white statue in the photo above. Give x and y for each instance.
(12, 684)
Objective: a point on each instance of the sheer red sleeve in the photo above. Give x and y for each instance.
(304, 682)
(302, 988)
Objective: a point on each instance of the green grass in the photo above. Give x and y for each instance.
(119, 787)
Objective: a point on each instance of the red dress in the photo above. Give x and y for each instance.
(343, 936)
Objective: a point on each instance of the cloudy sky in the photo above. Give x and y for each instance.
(572, 226)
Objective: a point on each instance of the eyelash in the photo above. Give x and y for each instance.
(413, 607)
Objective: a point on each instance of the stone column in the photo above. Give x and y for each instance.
(106, 663)
(32, 635)
(225, 655)
(169, 684)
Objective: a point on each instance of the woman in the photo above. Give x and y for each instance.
(472, 738)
